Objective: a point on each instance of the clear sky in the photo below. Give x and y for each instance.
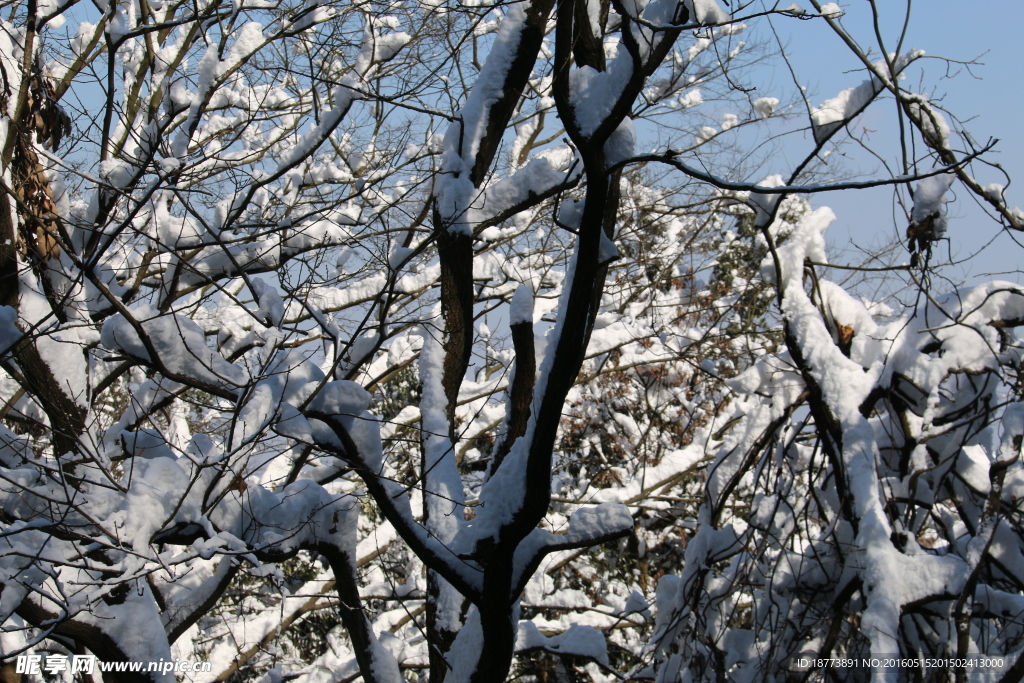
(987, 97)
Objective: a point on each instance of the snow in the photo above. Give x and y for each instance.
(838, 111)
(146, 443)
(764, 203)
(933, 124)
(593, 93)
(1012, 424)
(706, 133)
(607, 252)
(116, 173)
(389, 45)
(444, 497)
(892, 578)
(133, 625)
(341, 398)
(578, 640)
(807, 241)
(399, 256)
(271, 306)
(706, 12)
(930, 202)
(179, 344)
(690, 98)
(217, 260)
(174, 231)
(275, 403)
(343, 97)
(154, 499)
(45, 8)
(454, 190)
(833, 113)
(959, 323)
(973, 467)
(994, 191)
(570, 213)
(621, 145)
(765, 106)
(336, 663)
(521, 310)
(671, 465)
(548, 170)
(311, 19)
(384, 665)
(502, 496)
(590, 523)
(465, 651)
(211, 71)
(831, 10)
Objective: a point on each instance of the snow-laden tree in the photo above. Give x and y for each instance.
(340, 341)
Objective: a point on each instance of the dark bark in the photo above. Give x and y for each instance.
(497, 629)
(8, 255)
(599, 218)
(67, 417)
(456, 255)
(588, 48)
(521, 395)
(350, 609)
(456, 250)
(441, 637)
(385, 499)
(530, 40)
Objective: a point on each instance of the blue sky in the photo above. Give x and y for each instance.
(987, 96)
